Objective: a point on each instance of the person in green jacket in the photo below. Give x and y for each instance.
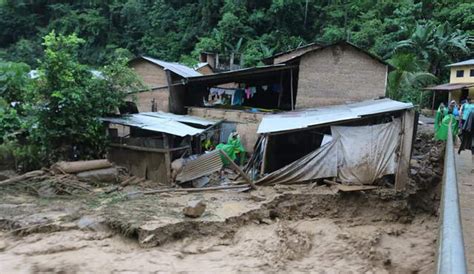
(234, 149)
(441, 133)
(442, 111)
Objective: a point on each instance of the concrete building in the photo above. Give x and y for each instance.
(460, 86)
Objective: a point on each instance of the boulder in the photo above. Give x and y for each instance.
(194, 209)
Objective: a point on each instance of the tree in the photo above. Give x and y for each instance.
(71, 99)
(435, 44)
(409, 75)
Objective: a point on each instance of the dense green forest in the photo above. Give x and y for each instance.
(65, 39)
(178, 29)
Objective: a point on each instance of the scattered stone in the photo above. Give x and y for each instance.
(266, 221)
(257, 198)
(3, 245)
(194, 209)
(92, 223)
(415, 164)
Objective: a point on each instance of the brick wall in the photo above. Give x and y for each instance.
(339, 74)
(153, 76)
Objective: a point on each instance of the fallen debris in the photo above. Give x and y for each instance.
(23, 177)
(242, 187)
(194, 209)
(80, 166)
(348, 188)
(99, 175)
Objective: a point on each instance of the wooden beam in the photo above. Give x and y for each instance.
(236, 168)
(167, 159)
(264, 154)
(406, 139)
(149, 149)
(201, 189)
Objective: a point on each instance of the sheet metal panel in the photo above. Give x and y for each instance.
(319, 116)
(202, 166)
(177, 68)
(181, 118)
(155, 124)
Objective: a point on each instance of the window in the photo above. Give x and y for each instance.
(471, 73)
(459, 73)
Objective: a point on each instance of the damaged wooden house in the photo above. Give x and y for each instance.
(146, 143)
(356, 143)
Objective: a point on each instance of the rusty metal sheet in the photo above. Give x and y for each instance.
(202, 166)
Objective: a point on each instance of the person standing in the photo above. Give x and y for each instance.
(466, 109)
(441, 133)
(440, 113)
(467, 136)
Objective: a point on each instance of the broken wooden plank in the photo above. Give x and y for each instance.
(192, 189)
(349, 188)
(23, 177)
(239, 170)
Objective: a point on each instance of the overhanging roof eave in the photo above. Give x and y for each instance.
(230, 76)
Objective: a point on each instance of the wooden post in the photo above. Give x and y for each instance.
(433, 103)
(406, 139)
(167, 158)
(170, 93)
(291, 80)
(264, 155)
(281, 91)
(237, 169)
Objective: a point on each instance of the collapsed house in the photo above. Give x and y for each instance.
(147, 143)
(355, 144)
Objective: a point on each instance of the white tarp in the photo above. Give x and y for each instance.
(356, 155)
(366, 153)
(321, 163)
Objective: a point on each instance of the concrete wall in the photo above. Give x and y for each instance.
(467, 78)
(155, 78)
(339, 74)
(247, 123)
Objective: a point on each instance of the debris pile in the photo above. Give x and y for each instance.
(427, 162)
(64, 178)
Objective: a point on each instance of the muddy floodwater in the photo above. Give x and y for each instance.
(273, 229)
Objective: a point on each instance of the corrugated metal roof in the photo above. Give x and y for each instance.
(463, 63)
(319, 116)
(181, 118)
(166, 123)
(449, 87)
(203, 165)
(177, 68)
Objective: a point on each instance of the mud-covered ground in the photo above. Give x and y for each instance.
(297, 228)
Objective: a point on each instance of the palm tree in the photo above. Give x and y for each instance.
(408, 75)
(435, 44)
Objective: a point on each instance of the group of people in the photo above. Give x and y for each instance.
(461, 119)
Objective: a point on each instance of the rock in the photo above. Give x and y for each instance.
(413, 172)
(194, 209)
(414, 164)
(93, 223)
(3, 245)
(257, 198)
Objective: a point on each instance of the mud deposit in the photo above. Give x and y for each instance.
(298, 229)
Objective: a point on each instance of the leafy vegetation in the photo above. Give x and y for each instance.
(55, 116)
